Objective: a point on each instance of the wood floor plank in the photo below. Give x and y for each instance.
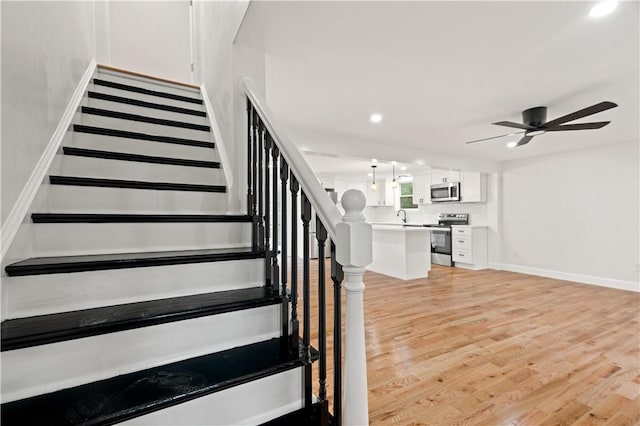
(495, 348)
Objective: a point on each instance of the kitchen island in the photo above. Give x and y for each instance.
(401, 250)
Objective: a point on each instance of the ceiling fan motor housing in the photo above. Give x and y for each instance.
(534, 117)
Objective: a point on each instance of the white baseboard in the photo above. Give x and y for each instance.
(568, 276)
(21, 207)
(220, 145)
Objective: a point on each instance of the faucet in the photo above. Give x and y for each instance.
(404, 218)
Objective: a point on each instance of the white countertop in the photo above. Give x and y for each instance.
(470, 226)
(396, 228)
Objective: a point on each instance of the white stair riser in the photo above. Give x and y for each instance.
(72, 165)
(148, 83)
(137, 146)
(143, 97)
(70, 239)
(141, 127)
(53, 293)
(74, 199)
(149, 112)
(47, 368)
(247, 404)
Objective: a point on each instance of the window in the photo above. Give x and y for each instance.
(406, 196)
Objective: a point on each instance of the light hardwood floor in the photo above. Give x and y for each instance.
(496, 348)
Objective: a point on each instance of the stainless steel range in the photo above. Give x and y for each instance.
(441, 236)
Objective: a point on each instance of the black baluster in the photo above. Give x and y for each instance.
(267, 209)
(251, 170)
(306, 299)
(254, 176)
(275, 268)
(284, 176)
(337, 276)
(249, 159)
(321, 236)
(294, 187)
(260, 177)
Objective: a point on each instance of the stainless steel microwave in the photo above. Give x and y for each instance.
(445, 192)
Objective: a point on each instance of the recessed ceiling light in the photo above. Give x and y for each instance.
(603, 8)
(374, 161)
(375, 118)
(512, 144)
(403, 168)
(369, 174)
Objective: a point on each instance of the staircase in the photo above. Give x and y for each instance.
(145, 302)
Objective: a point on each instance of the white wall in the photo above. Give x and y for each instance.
(574, 215)
(46, 48)
(219, 64)
(152, 37)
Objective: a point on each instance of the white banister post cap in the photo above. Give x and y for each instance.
(353, 202)
(353, 234)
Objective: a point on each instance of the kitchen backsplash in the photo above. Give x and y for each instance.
(427, 213)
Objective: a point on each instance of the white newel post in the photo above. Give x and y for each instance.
(353, 252)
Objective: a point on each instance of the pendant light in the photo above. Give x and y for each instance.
(394, 183)
(374, 187)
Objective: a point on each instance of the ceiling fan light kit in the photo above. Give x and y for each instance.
(534, 122)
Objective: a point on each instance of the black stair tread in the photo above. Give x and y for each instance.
(44, 329)
(137, 102)
(143, 118)
(131, 395)
(302, 417)
(130, 88)
(135, 218)
(134, 184)
(95, 262)
(125, 156)
(142, 136)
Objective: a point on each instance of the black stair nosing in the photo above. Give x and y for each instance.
(136, 218)
(125, 156)
(137, 89)
(131, 395)
(39, 330)
(141, 136)
(144, 119)
(137, 260)
(145, 104)
(134, 184)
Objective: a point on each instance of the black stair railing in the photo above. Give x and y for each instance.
(278, 209)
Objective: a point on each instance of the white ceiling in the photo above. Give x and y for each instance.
(441, 72)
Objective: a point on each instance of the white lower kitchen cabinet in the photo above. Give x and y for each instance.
(469, 246)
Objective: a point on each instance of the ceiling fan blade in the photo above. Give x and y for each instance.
(580, 126)
(593, 109)
(525, 140)
(512, 124)
(494, 137)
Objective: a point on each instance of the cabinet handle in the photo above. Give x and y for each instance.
(460, 254)
(461, 241)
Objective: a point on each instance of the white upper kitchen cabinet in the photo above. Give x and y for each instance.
(473, 187)
(342, 185)
(384, 196)
(327, 182)
(422, 189)
(444, 176)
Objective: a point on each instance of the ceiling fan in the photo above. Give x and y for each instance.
(534, 122)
